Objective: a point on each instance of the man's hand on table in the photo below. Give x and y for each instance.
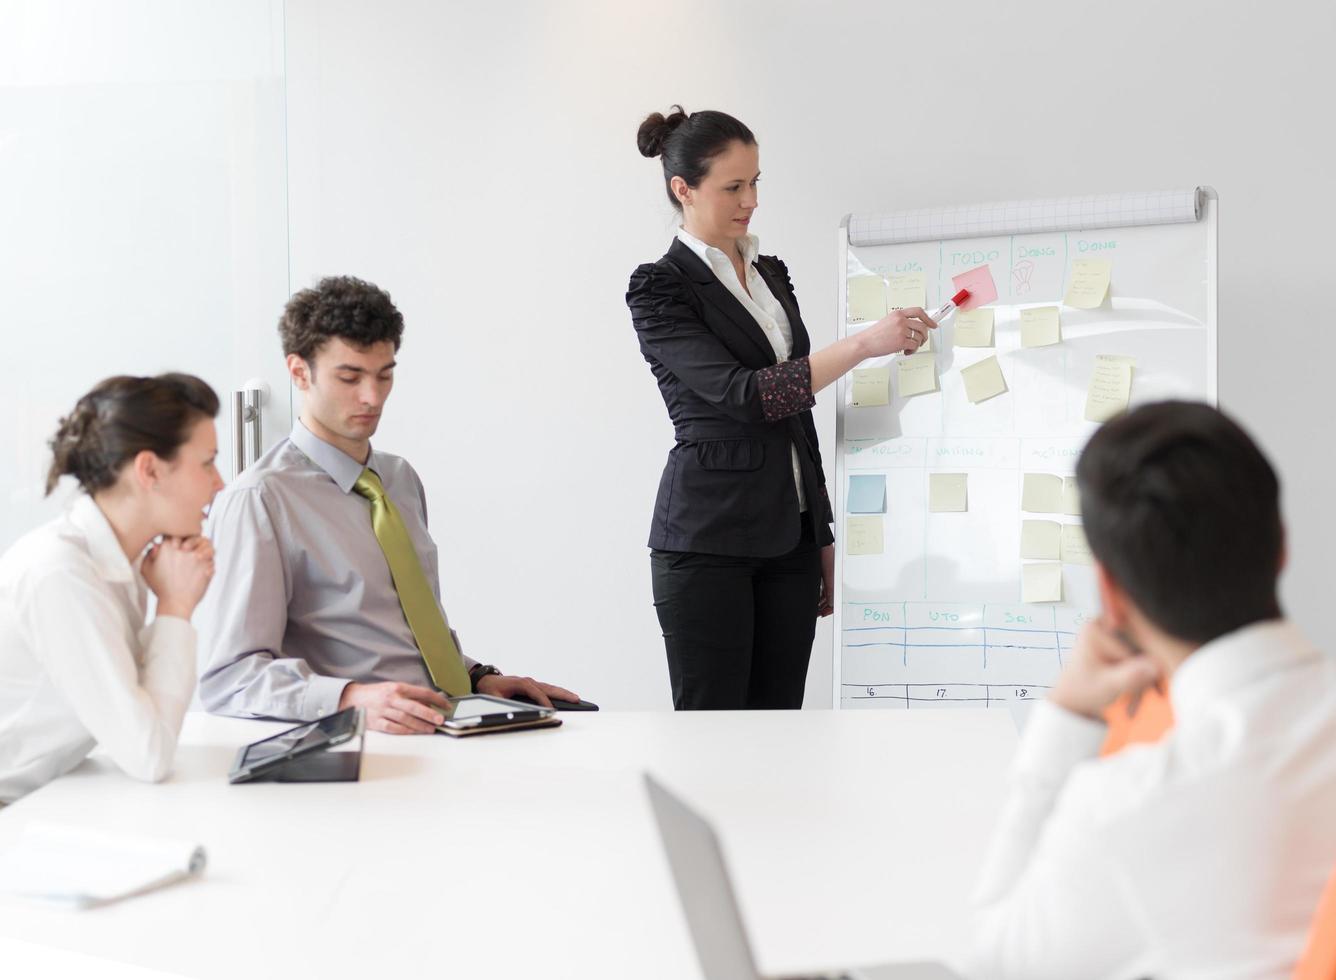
(398, 709)
(508, 686)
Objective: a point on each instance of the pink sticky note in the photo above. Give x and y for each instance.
(980, 284)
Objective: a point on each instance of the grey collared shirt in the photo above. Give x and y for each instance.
(302, 601)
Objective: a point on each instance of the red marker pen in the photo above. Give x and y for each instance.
(949, 307)
(946, 309)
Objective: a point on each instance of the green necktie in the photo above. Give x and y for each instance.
(430, 631)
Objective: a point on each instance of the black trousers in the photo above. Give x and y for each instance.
(738, 631)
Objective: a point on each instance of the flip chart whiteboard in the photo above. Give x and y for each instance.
(929, 487)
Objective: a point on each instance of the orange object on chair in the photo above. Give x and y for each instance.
(1318, 961)
(1154, 717)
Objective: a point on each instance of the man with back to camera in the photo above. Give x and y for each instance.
(1204, 854)
(327, 592)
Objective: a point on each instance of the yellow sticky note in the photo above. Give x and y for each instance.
(974, 328)
(1075, 550)
(907, 289)
(863, 536)
(926, 346)
(983, 380)
(1089, 283)
(872, 386)
(1041, 581)
(1041, 493)
(1071, 497)
(1110, 387)
(948, 493)
(1041, 539)
(918, 374)
(867, 299)
(1040, 327)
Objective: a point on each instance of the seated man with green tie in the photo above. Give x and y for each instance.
(326, 593)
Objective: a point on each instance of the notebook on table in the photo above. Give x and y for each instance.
(80, 867)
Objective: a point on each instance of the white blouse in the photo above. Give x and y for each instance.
(760, 302)
(78, 666)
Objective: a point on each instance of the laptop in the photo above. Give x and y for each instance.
(711, 908)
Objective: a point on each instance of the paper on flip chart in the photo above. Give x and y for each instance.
(907, 289)
(980, 284)
(867, 494)
(1089, 283)
(983, 380)
(1041, 581)
(1040, 326)
(918, 374)
(864, 536)
(872, 386)
(948, 493)
(1075, 550)
(974, 328)
(867, 299)
(1041, 493)
(1041, 539)
(1071, 497)
(1110, 387)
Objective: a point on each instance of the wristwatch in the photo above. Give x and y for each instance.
(478, 671)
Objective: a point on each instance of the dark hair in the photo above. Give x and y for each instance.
(121, 418)
(339, 306)
(1183, 511)
(688, 143)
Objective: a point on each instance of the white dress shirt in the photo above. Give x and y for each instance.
(760, 302)
(302, 601)
(1201, 856)
(78, 667)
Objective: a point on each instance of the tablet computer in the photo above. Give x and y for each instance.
(477, 713)
(272, 753)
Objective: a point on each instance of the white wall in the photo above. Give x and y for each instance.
(477, 161)
(143, 222)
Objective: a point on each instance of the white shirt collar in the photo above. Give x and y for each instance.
(103, 546)
(750, 244)
(1235, 660)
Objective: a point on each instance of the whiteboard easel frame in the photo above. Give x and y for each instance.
(1209, 219)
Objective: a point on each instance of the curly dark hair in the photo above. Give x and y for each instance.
(122, 417)
(345, 307)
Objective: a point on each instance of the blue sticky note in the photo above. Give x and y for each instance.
(867, 495)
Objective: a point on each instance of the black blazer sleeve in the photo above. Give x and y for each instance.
(672, 331)
(780, 272)
(739, 416)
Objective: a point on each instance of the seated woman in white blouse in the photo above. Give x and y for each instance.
(78, 665)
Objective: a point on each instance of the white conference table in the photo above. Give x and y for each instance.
(852, 836)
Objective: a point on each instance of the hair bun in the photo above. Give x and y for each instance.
(76, 447)
(76, 427)
(656, 129)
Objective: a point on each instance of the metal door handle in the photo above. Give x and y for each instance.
(247, 434)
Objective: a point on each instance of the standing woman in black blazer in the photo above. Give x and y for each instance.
(742, 555)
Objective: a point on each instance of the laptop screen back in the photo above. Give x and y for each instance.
(704, 887)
